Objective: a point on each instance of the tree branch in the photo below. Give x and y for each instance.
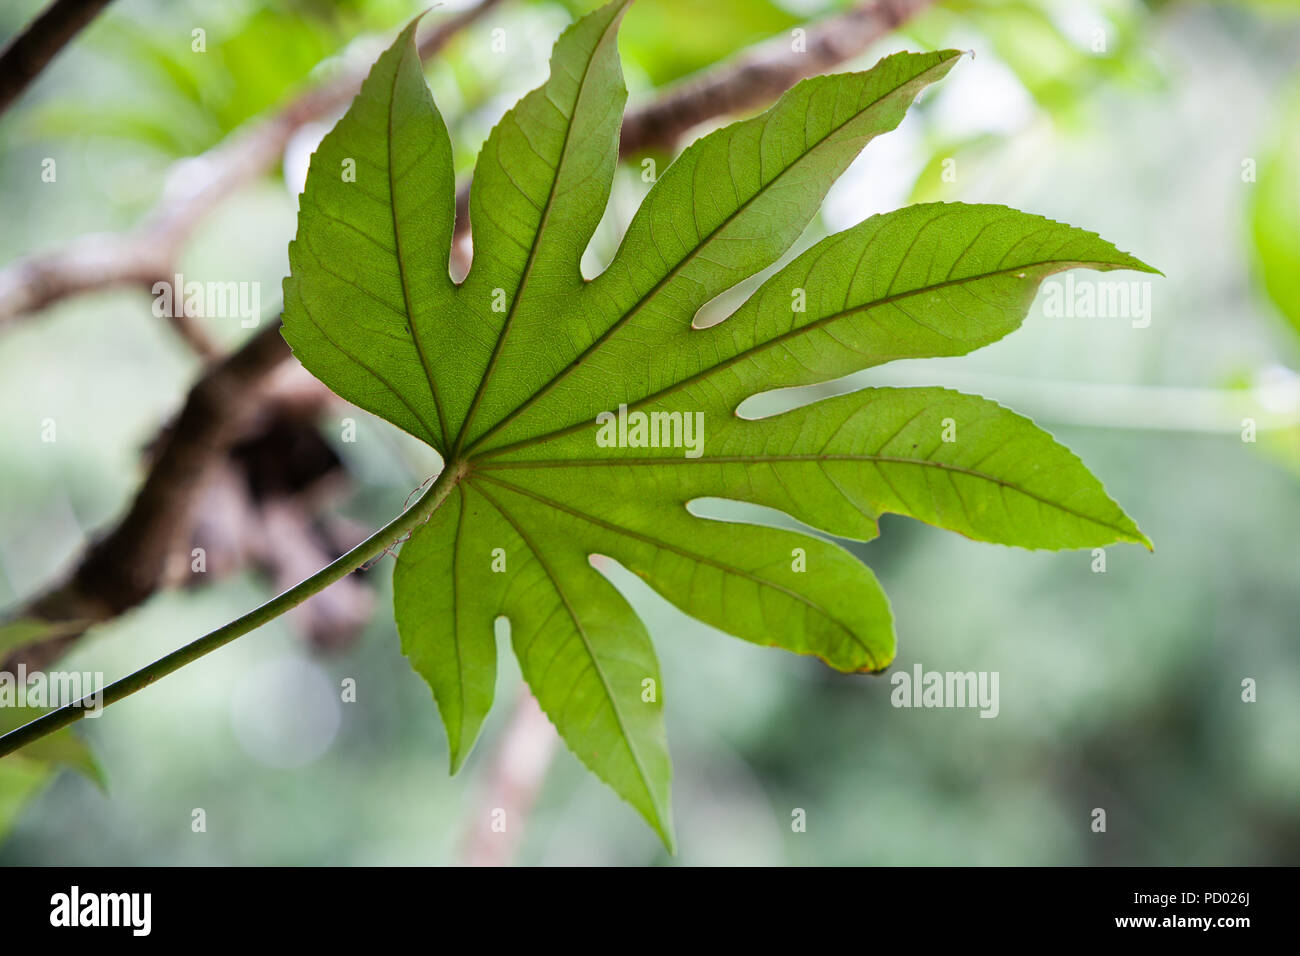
(519, 762)
(120, 570)
(24, 57)
(762, 74)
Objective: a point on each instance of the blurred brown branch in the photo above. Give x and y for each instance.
(241, 473)
(763, 73)
(520, 759)
(27, 54)
(123, 568)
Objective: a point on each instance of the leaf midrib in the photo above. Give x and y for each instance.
(458, 751)
(769, 459)
(399, 251)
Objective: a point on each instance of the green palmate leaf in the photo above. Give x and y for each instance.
(580, 418)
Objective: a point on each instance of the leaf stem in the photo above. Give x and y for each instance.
(375, 545)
